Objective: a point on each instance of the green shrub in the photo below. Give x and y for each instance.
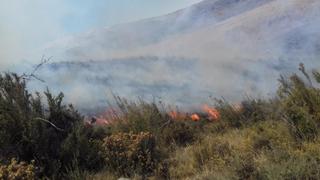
(138, 117)
(248, 111)
(31, 130)
(301, 105)
(233, 154)
(128, 154)
(142, 116)
(208, 154)
(80, 150)
(180, 133)
(291, 163)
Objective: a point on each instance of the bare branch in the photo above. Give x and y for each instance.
(53, 125)
(32, 75)
(165, 124)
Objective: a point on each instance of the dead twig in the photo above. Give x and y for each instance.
(48, 122)
(165, 124)
(32, 75)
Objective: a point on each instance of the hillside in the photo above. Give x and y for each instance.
(248, 43)
(271, 30)
(150, 31)
(270, 25)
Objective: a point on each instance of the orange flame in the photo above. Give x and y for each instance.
(212, 112)
(110, 114)
(177, 115)
(106, 118)
(173, 114)
(195, 117)
(100, 121)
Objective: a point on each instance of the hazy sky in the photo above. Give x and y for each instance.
(27, 25)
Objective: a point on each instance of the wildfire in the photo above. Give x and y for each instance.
(106, 118)
(212, 112)
(177, 115)
(111, 115)
(195, 117)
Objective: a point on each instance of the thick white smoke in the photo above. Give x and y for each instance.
(216, 48)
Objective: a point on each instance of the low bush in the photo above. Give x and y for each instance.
(81, 150)
(233, 154)
(50, 133)
(248, 111)
(299, 162)
(300, 101)
(138, 116)
(18, 171)
(179, 133)
(128, 154)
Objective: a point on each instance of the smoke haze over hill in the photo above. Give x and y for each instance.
(213, 48)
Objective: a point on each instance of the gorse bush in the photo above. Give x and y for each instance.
(265, 150)
(83, 149)
(179, 133)
(128, 154)
(301, 104)
(17, 171)
(33, 131)
(138, 116)
(142, 116)
(248, 111)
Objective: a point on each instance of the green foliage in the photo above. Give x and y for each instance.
(44, 133)
(179, 133)
(316, 75)
(265, 150)
(82, 149)
(301, 105)
(128, 154)
(248, 111)
(138, 116)
(15, 112)
(259, 139)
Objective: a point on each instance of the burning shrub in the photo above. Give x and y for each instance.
(17, 171)
(195, 117)
(177, 116)
(128, 154)
(213, 113)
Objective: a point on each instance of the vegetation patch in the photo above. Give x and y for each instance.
(274, 138)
